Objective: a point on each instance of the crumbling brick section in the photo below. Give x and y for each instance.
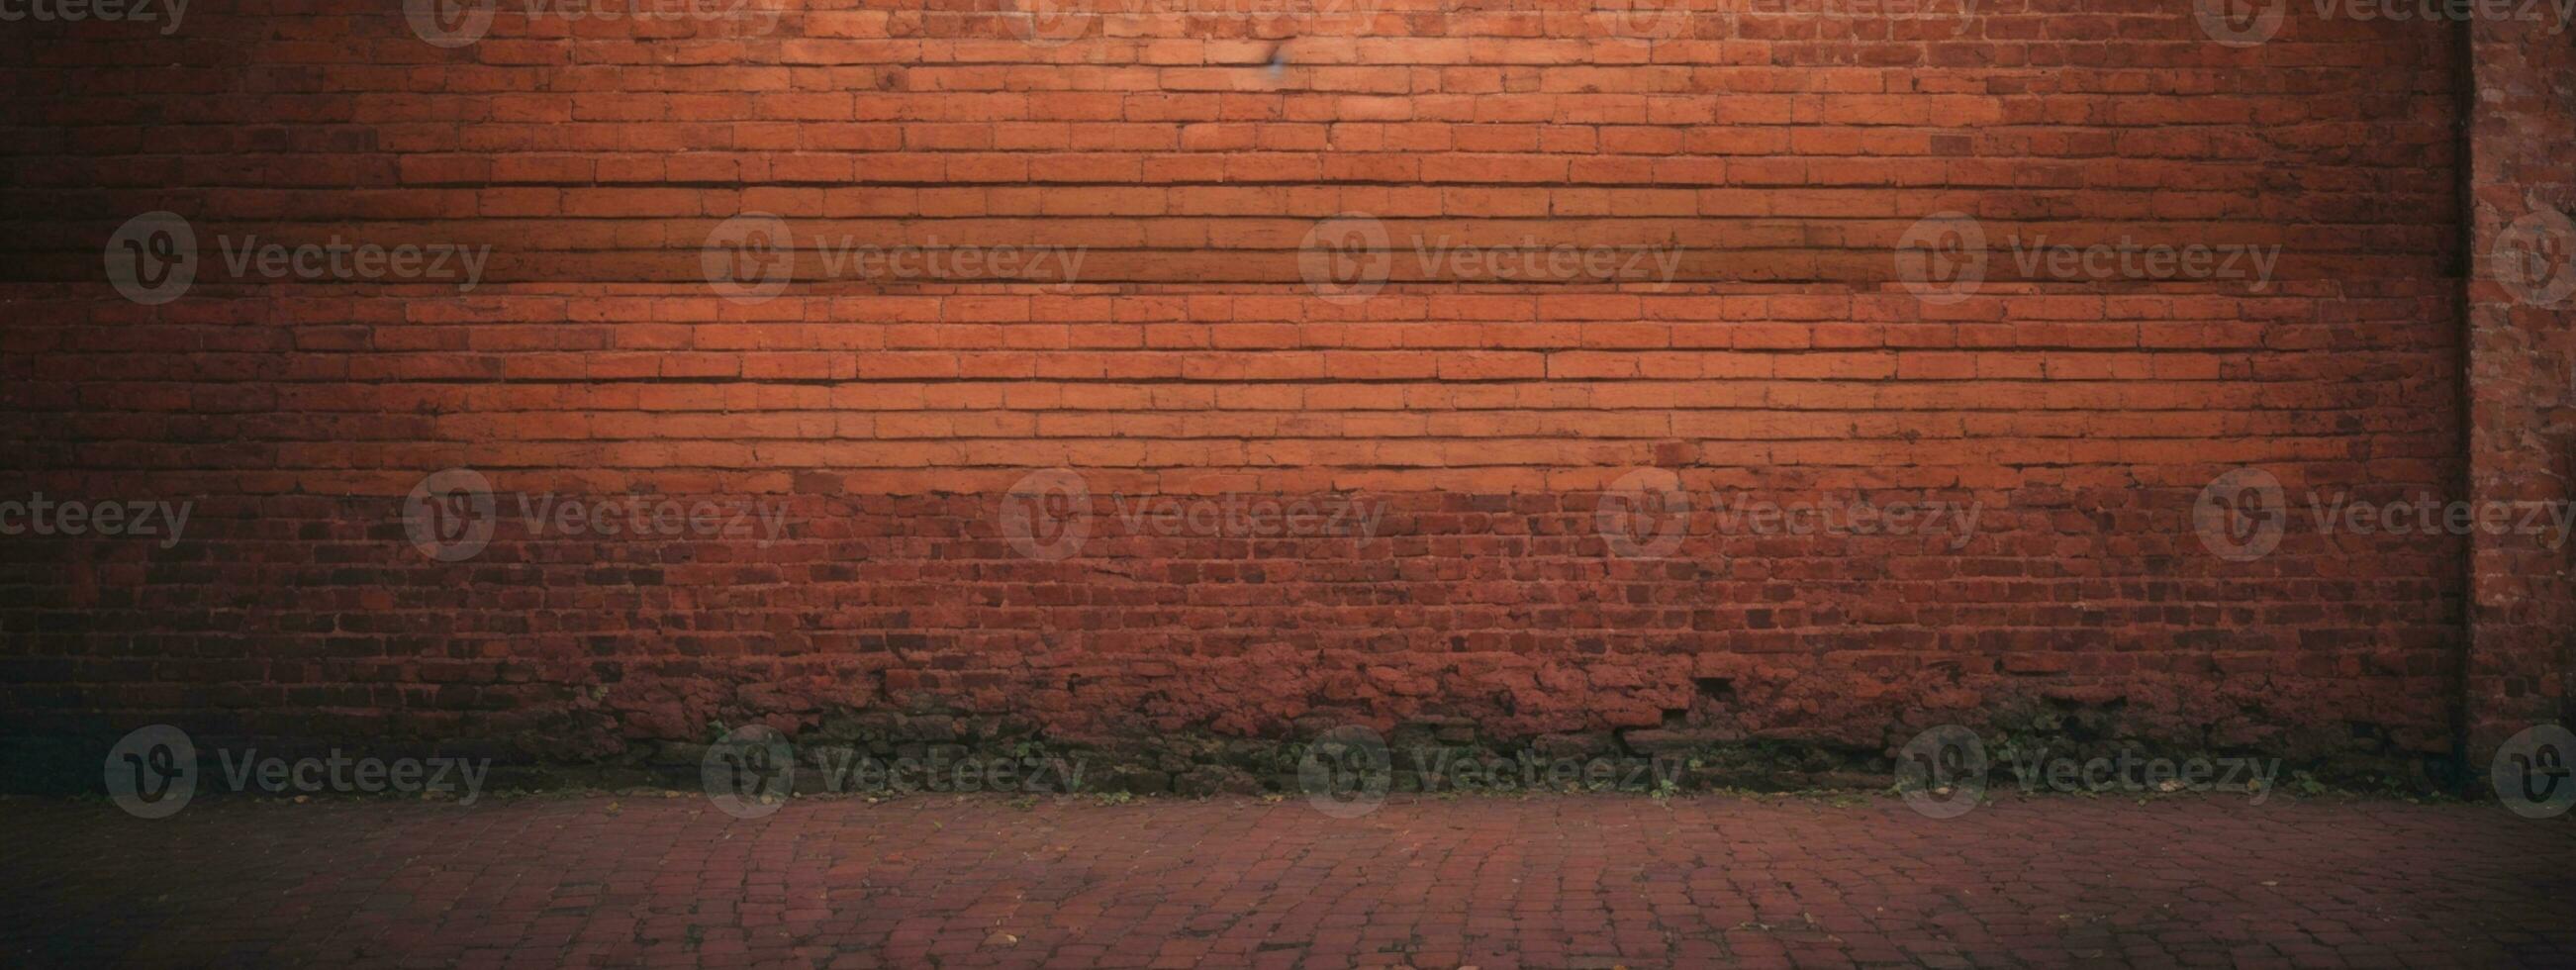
(2522, 446)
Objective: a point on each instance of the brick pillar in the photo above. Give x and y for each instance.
(2522, 445)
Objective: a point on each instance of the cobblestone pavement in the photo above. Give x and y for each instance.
(1553, 881)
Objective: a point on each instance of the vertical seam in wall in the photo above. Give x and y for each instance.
(2464, 272)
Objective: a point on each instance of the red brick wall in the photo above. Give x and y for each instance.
(2523, 367)
(1785, 158)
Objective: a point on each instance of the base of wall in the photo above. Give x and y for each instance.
(2021, 744)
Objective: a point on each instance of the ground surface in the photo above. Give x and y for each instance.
(1555, 881)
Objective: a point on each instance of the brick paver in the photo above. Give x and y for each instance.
(1555, 881)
